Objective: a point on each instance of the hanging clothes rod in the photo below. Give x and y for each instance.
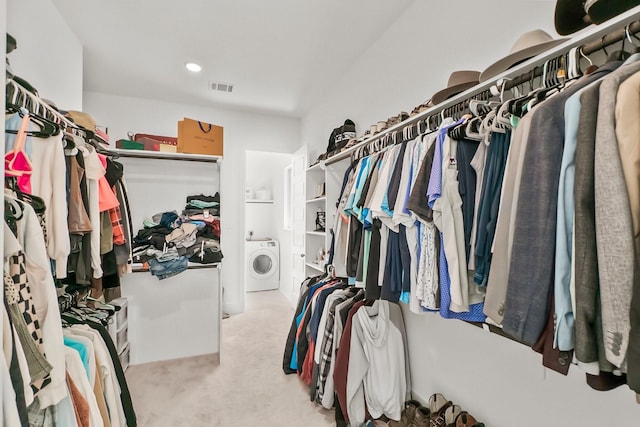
(590, 41)
(22, 97)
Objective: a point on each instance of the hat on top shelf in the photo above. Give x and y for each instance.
(573, 15)
(459, 81)
(528, 45)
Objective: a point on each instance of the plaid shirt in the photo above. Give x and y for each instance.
(327, 342)
(118, 228)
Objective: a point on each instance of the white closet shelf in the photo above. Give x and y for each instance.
(314, 266)
(317, 233)
(161, 155)
(317, 199)
(268, 202)
(139, 267)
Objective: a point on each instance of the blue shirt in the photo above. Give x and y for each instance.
(81, 349)
(564, 337)
(434, 192)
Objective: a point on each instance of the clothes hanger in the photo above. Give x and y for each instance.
(591, 68)
(636, 48)
(47, 128)
(13, 207)
(619, 55)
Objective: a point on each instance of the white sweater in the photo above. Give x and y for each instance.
(48, 181)
(45, 300)
(376, 365)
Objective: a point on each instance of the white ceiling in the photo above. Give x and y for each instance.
(281, 55)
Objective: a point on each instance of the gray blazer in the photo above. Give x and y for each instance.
(494, 302)
(589, 344)
(614, 230)
(531, 271)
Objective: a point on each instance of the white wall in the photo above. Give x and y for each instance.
(500, 381)
(49, 55)
(267, 220)
(413, 58)
(242, 131)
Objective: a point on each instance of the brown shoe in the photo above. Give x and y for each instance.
(421, 417)
(465, 419)
(407, 416)
(438, 404)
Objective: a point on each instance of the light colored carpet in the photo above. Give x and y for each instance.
(248, 388)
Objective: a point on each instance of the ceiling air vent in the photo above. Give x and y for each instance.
(221, 87)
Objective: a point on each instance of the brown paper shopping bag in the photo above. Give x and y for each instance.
(195, 137)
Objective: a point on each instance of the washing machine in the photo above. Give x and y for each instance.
(262, 260)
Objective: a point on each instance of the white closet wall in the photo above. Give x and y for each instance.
(501, 382)
(49, 55)
(242, 131)
(413, 58)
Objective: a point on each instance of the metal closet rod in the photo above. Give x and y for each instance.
(598, 38)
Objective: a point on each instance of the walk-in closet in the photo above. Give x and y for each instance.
(387, 213)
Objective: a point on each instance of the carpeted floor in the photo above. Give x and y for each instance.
(248, 388)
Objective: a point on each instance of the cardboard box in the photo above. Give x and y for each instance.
(195, 137)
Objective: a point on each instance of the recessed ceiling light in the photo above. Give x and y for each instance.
(192, 66)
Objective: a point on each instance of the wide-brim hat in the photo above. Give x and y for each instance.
(83, 120)
(459, 81)
(573, 15)
(570, 16)
(600, 11)
(527, 46)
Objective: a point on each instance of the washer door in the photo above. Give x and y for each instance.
(262, 264)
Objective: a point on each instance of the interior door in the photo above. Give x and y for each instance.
(298, 220)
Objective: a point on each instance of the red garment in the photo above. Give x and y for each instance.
(341, 364)
(107, 199)
(307, 366)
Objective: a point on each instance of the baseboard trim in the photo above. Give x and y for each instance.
(214, 358)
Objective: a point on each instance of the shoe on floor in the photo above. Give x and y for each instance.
(438, 404)
(451, 415)
(465, 419)
(407, 416)
(376, 423)
(421, 417)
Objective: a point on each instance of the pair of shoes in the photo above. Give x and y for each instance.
(408, 415)
(422, 107)
(445, 414)
(397, 119)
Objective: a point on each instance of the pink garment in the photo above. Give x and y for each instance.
(106, 197)
(16, 162)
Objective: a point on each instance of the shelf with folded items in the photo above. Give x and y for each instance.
(162, 155)
(138, 267)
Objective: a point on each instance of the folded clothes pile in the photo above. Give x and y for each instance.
(168, 241)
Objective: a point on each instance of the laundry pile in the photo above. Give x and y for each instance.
(168, 241)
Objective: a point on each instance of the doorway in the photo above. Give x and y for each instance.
(267, 234)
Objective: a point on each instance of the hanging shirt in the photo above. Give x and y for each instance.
(434, 193)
